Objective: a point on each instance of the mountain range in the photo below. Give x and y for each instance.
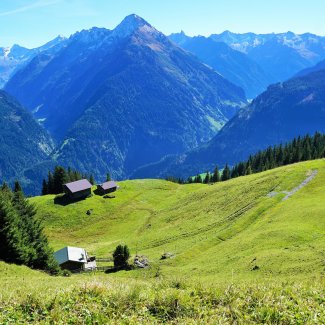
(281, 55)
(284, 111)
(136, 103)
(116, 100)
(254, 61)
(14, 58)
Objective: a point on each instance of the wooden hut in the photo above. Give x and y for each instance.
(78, 189)
(107, 187)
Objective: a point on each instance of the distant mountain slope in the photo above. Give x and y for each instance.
(233, 65)
(16, 57)
(123, 98)
(23, 142)
(284, 111)
(319, 66)
(280, 55)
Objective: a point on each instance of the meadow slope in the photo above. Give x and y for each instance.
(219, 232)
(242, 255)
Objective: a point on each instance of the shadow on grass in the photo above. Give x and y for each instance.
(104, 195)
(66, 200)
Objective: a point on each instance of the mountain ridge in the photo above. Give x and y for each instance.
(133, 81)
(286, 110)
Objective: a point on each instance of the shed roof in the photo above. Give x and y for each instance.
(108, 185)
(78, 186)
(71, 254)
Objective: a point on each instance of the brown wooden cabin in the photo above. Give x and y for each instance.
(78, 189)
(107, 187)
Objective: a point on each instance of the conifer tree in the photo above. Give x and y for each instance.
(45, 190)
(108, 177)
(225, 173)
(207, 178)
(22, 239)
(50, 183)
(17, 187)
(59, 179)
(216, 176)
(5, 187)
(92, 179)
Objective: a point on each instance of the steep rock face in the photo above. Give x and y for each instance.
(286, 110)
(235, 66)
(119, 99)
(23, 142)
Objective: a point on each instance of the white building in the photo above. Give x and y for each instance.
(75, 259)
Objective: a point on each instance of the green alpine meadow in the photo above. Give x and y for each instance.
(232, 252)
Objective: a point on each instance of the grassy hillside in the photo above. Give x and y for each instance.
(241, 254)
(220, 232)
(32, 297)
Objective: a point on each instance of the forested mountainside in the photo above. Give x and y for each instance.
(23, 142)
(286, 110)
(116, 100)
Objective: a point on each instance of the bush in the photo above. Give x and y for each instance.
(121, 256)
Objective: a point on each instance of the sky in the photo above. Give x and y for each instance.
(31, 23)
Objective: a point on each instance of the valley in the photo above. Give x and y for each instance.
(154, 177)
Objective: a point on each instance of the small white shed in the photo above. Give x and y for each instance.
(75, 258)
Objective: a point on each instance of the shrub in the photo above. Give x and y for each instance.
(121, 256)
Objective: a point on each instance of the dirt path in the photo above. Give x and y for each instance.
(300, 186)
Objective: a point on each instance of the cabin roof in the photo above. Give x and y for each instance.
(108, 185)
(78, 186)
(71, 254)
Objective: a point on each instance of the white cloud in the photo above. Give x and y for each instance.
(34, 5)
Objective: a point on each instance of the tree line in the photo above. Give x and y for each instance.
(60, 176)
(22, 239)
(300, 149)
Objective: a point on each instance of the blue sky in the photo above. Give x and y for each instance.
(33, 22)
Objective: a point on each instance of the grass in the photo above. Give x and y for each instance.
(220, 231)
(99, 299)
(240, 256)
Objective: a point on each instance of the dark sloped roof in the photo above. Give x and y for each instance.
(78, 186)
(108, 185)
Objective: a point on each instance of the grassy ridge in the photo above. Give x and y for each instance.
(219, 231)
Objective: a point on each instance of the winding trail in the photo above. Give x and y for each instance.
(300, 186)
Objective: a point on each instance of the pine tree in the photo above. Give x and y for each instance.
(225, 173)
(249, 169)
(5, 187)
(17, 187)
(50, 184)
(207, 178)
(45, 190)
(12, 247)
(216, 176)
(92, 179)
(59, 179)
(30, 244)
(108, 177)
